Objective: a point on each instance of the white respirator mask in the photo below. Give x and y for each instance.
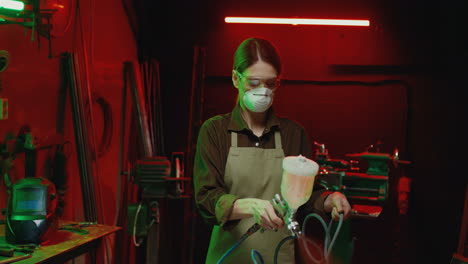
(258, 100)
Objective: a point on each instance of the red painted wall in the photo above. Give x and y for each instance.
(31, 83)
(345, 117)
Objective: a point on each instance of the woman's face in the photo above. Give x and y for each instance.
(258, 75)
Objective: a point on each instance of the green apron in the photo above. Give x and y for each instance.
(252, 173)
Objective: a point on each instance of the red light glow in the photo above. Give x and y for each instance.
(59, 6)
(298, 21)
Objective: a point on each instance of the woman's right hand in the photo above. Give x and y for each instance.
(261, 210)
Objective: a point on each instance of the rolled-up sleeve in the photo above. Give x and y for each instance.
(212, 200)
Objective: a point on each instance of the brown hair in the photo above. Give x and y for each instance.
(252, 50)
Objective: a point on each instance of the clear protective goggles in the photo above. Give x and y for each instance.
(254, 82)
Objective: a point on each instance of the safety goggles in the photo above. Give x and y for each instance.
(253, 82)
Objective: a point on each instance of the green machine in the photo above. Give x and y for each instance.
(158, 178)
(369, 189)
(364, 180)
(366, 191)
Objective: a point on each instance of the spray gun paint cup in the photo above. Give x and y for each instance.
(298, 180)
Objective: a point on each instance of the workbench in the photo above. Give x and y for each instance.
(63, 245)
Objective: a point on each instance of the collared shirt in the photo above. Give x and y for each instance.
(214, 141)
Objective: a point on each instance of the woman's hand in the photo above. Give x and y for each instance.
(337, 203)
(262, 211)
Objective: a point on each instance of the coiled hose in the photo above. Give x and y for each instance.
(328, 245)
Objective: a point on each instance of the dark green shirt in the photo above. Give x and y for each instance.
(214, 140)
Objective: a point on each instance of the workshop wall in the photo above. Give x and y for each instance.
(31, 83)
(309, 53)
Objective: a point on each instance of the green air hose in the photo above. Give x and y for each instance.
(328, 245)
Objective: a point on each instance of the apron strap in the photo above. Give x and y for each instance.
(234, 150)
(233, 139)
(278, 140)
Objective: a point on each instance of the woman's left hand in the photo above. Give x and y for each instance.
(337, 203)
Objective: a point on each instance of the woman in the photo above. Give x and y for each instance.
(238, 163)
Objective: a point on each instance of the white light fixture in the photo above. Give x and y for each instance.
(298, 21)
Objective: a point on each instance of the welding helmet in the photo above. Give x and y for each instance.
(31, 211)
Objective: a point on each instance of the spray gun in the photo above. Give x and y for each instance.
(296, 188)
(283, 210)
(286, 213)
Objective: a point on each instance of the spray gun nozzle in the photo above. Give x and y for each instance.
(287, 213)
(294, 227)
